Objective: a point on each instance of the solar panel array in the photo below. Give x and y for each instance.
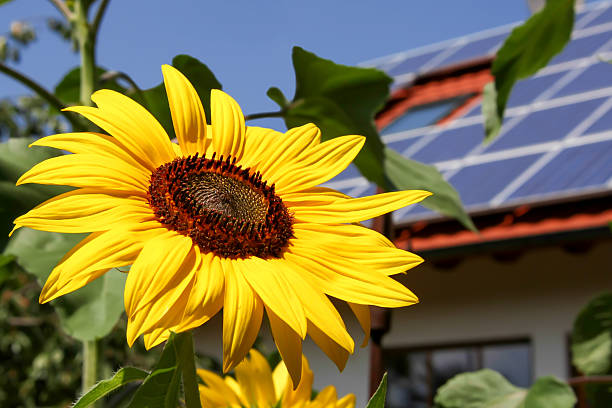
(556, 140)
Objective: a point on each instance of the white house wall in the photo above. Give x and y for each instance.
(536, 297)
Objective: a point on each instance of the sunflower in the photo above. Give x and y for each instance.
(257, 386)
(232, 217)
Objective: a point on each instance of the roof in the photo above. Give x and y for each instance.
(556, 141)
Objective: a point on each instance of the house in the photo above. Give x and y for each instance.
(540, 195)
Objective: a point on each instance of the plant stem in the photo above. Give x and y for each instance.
(95, 25)
(86, 41)
(42, 92)
(62, 8)
(90, 364)
(185, 354)
(85, 38)
(261, 115)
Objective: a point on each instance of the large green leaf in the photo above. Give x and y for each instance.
(340, 100)
(200, 76)
(408, 174)
(378, 399)
(592, 337)
(161, 388)
(124, 376)
(549, 392)
(528, 48)
(343, 100)
(15, 159)
(68, 90)
(86, 314)
(480, 389)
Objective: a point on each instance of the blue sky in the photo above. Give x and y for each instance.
(248, 44)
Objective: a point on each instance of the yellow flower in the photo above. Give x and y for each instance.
(230, 217)
(256, 386)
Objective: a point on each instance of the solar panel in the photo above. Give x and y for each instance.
(403, 144)
(480, 183)
(412, 64)
(603, 18)
(602, 124)
(575, 168)
(451, 144)
(475, 49)
(557, 135)
(545, 125)
(583, 47)
(596, 76)
(525, 92)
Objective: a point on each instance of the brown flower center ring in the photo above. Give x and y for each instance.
(223, 208)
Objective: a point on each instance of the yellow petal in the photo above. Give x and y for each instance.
(301, 395)
(96, 254)
(158, 267)
(255, 379)
(333, 350)
(368, 249)
(187, 112)
(313, 196)
(322, 163)
(167, 301)
(206, 296)
(358, 209)
(228, 130)
(327, 397)
(87, 170)
(289, 345)
(267, 279)
(131, 125)
(93, 143)
(362, 313)
(342, 278)
(87, 210)
(279, 151)
(258, 146)
(348, 401)
(318, 309)
(242, 314)
(217, 392)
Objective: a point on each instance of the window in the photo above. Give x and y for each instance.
(424, 115)
(415, 374)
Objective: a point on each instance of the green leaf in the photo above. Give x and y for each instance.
(15, 159)
(160, 389)
(343, 100)
(480, 389)
(86, 314)
(200, 76)
(123, 376)
(592, 337)
(69, 88)
(550, 392)
(3, 2)
(528, 48)
(408, 174)
(378, 399)
(340, 100)
(277, 96)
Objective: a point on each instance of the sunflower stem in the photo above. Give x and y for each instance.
(185, 354)
(86, 39)
(90, 364)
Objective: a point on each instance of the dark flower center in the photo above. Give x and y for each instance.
(225, 209)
